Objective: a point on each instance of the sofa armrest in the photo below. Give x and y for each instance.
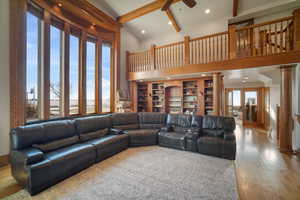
(27, 156)
(166, 129)
(116, 131)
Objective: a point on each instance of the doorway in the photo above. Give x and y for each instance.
(249, 106)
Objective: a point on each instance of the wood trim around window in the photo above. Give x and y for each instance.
(75, 26)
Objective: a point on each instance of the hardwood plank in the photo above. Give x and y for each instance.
(142, 11)
(173, 20)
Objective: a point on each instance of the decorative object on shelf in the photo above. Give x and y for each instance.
(123, 101)
(142, 97)
(158, 97)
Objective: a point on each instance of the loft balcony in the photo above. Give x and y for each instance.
(270, 43)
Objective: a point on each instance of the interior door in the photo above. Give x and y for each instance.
(250, 107)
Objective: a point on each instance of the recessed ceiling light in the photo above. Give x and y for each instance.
(168, 78)
(207, 11)
(203, 75)
(143, 31)
(244, 81)
(246, 77)
(59, 4)
(170, 23)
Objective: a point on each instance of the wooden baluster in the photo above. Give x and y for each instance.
(276, 43)
(201, 51)
(281, 36)
(218, 53)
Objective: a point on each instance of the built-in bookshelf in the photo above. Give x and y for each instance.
(190, 97)
(208, 97)
(173, 100)
(142, 94)
(158, 97)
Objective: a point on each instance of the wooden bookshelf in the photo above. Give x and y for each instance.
(208, 97)
(158, 97)
(190, 97)
(173, 100)
(142, 95)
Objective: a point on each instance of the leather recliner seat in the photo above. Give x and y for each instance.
(174, 133)
(142, 128)
(217, 137)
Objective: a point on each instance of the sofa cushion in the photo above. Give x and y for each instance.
(212, 122)
(141, 137)
(172, 139)
(92, 124)
(94, 134)
(151, 120)
(127, 127)
(102, 142)
(179, 120)
(213, 132)
(56, 130)
(57, 144)
(121, 119)
(25, 136)
(69, 152)
(197, 121)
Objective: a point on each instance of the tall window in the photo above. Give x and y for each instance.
(90, 77)
(106, 67)
(74, 75)
(32, 68)
(55, 72)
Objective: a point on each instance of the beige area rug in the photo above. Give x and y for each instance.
(148, 173)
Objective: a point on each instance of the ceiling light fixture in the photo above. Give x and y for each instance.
(170, 23)
(207, 11)
(168, 78)
(59, 4)
(243, 81)
(246, 77)
(143, 31)
(203, 75)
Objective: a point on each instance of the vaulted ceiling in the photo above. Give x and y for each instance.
(155, 23)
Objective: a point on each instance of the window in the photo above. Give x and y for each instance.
(105, 83)
(32, 68)
(74, 75)
(236, 98)
(55, 72)
(90, 77)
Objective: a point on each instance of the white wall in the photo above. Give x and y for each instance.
(296, 107)
(128, 43)
(4, 77)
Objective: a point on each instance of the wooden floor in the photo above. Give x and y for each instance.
(262, 172)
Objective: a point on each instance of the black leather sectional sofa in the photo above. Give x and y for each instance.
(46, 153)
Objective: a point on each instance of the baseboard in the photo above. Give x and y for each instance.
(4, 160)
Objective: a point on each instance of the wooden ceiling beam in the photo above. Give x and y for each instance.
(235, 8)
(167, 5)
(158, 4)
(172, 19)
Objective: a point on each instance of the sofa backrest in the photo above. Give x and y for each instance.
(152, 120)
(218, 122)
(125, 121)
(93, 127)
(179, 122)
(197, 121)
(26, 136)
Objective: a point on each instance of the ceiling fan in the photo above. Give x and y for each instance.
(189, 3)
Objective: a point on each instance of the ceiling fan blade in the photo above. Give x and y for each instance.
(190, 3)
(166, 5)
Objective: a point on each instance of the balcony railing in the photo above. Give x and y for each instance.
(265, 39)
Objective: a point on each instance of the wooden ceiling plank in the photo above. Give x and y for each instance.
(158, 4)
(173, 20)
(235, 8)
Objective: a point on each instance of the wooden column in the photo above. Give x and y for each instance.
(17, 51)
(98, 76)
(127, 64)
(46, 66)
(66, 72)
(116, 71)
(217, 93)
(186, 50)
(82, 74)
(296, 14)
(232, 41)
(285, 126)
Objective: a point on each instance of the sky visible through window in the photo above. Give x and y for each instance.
(106, 49)
(32, 71)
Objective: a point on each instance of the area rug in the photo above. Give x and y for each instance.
(147, 173)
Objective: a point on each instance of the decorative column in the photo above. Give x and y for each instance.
(217, 93)
(286, 120)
